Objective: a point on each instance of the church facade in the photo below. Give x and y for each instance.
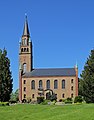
(33, 83)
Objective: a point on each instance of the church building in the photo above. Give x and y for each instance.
(33, 83)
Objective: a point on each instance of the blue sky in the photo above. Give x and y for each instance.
(62, 32)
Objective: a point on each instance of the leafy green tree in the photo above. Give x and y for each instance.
(5, 77)
(14, 96)
(78, 99)
(87, 79)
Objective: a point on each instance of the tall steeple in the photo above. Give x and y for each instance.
(25, 56)
(25, 52)
(26, 29)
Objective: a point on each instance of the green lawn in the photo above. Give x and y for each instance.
(47, 112)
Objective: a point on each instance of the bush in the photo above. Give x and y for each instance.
(53, 97)
(45, 102)
(68, 101)
(40, 100)
(4, 103)
(78, 99)
(12, 101)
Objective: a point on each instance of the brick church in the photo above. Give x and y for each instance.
(63, 82)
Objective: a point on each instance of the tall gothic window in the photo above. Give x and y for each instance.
(24, 41)
(63, 84)
(33, 84)
(40, 84)
(55, 84)
(48, 84)
(24, 67)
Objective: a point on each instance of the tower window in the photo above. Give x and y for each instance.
(48, 84)
(63, 84)
(72, 88)
(22, 50)
(24, 67)
(24, 95)
(24, 41)
(72, 95)
(55, 84)
(33, 84)
(24, 82)
(24, 89)
(71, 80)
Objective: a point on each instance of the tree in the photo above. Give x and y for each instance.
(78, 99)
(87, 79)
(5, 77)
(14, 96)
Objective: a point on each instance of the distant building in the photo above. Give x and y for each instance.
(39, 82)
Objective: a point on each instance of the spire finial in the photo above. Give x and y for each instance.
(76, 65)
(26, 16)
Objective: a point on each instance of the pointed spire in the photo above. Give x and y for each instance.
(76, 66)
(26, 29)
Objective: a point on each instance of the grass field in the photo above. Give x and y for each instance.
(47, 112)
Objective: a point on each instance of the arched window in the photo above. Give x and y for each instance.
(55, 84)
(71, 80)
(63, 84)
(72, 88)
(27, 49)
(24, 82)
(24, 67)
(33, 95)
(63, 95)
(40, 84)
(33, 84)
(22, 50)
(72, 95)
(25, 42)
(48, 84)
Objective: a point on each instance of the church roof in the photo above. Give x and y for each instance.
(51, 72)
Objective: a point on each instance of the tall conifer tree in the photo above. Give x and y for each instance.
(5, 77)
(87, 77)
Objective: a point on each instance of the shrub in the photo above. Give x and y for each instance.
(45, 102)
(78, 99)
(68, 101)
(4, 103)
(53, 97)
(40, 100)
(12, 101)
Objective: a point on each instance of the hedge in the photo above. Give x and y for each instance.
(4, 103)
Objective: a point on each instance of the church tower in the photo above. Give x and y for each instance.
(25, 56)
(25, 52)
